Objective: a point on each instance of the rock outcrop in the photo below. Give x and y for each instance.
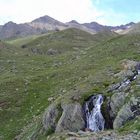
(123, 105)
(50, 118)
(128, 112)
(70, 119)
(117, 100)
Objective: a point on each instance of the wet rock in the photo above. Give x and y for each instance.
(71, 119)
(125, 85)
(113, 87)
(138, 66)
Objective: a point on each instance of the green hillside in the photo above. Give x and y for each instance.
(79, 64)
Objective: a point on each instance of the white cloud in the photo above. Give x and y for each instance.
(20, 11)
(63, 10)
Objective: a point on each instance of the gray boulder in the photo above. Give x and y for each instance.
(50, 118)
(117, 100)
(52, 52)
(71, 119)
(128, 112)
(113, 87)
(123, 115)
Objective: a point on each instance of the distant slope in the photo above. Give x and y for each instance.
(66, 40)
(75, 24)
(23, 40)
(62, 41)
(0, 27)
(95, 26)
(122, 28)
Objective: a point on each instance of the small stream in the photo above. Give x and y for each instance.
(94, 118)
(127, 82)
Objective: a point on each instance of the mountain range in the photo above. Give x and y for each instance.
(46, 24)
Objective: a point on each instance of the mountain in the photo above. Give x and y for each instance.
(95, 26)
(75, 24)
(118, 29)
(43, 25)
(122, 28)
(13, 30)
(47, 23)
(37, 26)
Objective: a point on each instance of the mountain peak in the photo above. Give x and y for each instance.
(10, 23)
(94, 23)
(73, 21)
(44, 19)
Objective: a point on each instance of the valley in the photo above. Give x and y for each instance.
(54, 73)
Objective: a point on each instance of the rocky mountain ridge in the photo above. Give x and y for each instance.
(45, 24)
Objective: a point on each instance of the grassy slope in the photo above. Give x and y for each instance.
(28, 80)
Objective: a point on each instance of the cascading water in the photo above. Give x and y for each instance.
(92, 108)
(94, 119)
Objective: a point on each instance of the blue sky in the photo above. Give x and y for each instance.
(123, 10)
(107, 12)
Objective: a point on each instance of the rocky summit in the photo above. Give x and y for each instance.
(69, 81)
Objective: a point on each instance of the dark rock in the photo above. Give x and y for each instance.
(23, 46)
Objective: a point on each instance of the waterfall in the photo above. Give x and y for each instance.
(94, 119)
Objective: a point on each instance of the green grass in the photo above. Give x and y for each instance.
(84, 65)
(131, 126)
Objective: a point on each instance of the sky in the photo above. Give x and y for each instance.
(106, 12)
